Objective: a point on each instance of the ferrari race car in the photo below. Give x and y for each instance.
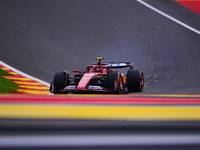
(99, 77)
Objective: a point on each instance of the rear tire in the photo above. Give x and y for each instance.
(60, 81)
(135, 80)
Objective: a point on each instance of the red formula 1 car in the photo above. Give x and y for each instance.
(99, 77)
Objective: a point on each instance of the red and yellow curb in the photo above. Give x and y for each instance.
(26, 85)
(100, 112)
(193, 5)
(76, 107)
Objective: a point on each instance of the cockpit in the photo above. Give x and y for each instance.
(97, 68)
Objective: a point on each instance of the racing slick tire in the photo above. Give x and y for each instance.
(60, 80)
(114, 79)
(135, 80)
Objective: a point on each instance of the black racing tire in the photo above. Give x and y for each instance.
(135, 80)
(59, 81)
(112, 76)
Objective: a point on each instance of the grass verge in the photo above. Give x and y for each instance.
(6, 85)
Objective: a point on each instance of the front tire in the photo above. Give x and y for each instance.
(114, 81)
(60, 81)
(135, 80)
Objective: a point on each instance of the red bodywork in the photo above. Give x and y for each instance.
(93, 71)
(99, 77)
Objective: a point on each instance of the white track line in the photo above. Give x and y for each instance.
(97, 140)
(24, 74)
(169, 17)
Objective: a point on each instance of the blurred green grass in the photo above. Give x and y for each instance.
(6, 85)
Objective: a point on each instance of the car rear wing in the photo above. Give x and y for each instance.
(116, 64)
(119, 64)
(113, 65)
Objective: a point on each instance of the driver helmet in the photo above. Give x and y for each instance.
(97, 69)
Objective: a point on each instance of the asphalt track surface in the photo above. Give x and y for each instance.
(44, 37)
